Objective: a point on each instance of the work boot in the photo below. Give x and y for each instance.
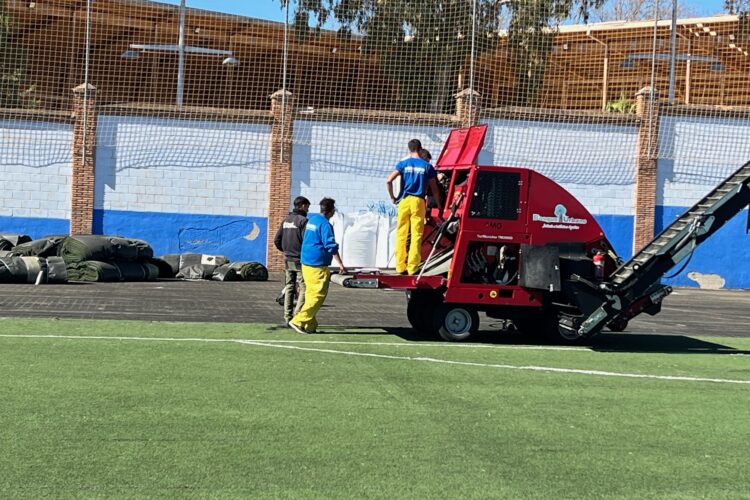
(298, 328)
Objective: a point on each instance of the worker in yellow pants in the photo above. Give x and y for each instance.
(417, 176)
(319, 248)
(317, 279)
(410, 222)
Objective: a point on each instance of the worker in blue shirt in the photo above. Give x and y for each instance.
(417, 176)
(319, 248)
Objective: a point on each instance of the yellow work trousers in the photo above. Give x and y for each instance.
(411, 214)
(316, 280)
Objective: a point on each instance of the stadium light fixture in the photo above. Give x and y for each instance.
(182, 50)
(131, 54)
(135, 49)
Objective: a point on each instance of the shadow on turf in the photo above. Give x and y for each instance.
(606, 342)
(668, 344)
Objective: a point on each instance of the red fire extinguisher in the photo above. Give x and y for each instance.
(599, 265)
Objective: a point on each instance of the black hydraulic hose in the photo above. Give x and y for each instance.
(683, 266)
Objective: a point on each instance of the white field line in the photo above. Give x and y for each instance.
(287, 344)
(546, 369)
(444, 345)
(329, 342)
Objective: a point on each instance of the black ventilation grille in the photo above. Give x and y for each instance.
(496, 196)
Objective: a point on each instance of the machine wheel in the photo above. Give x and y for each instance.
(419, 308)
(569, 336)
(617, 325)
(455, 322)
(547, 325)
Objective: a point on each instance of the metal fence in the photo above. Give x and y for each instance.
(395, 69)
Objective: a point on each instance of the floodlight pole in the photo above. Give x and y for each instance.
(673, 53)
(181, 55)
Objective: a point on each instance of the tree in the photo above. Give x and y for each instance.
(13, 91)
(530, 36)
(638, 10)
(425, 44)
(737, 6)
(742, 9)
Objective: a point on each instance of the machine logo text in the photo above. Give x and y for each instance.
(560, 220)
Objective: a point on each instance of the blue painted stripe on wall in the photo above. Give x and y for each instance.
(225, 235)
(619, 232)
(725, 253)
(36, 227)
(237, 237)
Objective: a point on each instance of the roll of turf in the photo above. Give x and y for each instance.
(12, 270)
(57, 271)
(250, 271)
(226, 273)
(165, 268)
(173, 259)
(137, 271)
(92, 270)
(36, 269)
(8, 241)
(199, 266)
(104, 249)
(22, 269)
(15, 269)
(43, 247)
(341, 279)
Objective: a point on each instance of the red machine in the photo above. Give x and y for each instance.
(514, 244)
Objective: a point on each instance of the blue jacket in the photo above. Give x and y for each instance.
(318, 244)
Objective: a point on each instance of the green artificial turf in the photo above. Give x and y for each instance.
(104, 418)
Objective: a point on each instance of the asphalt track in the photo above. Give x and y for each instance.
(687, 312)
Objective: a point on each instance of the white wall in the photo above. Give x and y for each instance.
(191, 167)
(596, 163)
(35, 169)
(350, 161)
(698, 152)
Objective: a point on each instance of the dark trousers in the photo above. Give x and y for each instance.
(293, 276)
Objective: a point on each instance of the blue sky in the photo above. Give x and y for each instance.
(271, 9)
(262, 9)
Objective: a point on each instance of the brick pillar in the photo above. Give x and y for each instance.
(645, 168)
(467, 114)
(84, 153)
(279, 171)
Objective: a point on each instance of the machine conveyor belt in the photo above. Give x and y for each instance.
(688, 231)
(634, 286)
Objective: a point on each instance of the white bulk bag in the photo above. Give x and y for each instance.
(338, 221)
(384, 251)
(360, 241)
(392, 244)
